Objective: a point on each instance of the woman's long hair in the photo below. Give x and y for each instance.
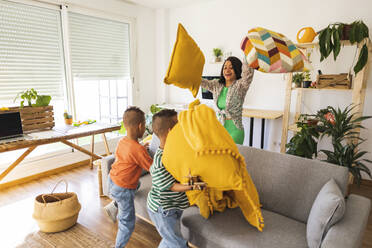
(237, 67)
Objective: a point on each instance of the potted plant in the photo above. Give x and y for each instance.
(304, 143)
(31, 94)
(68, 118)
(307, 81)
(217, 54)
(331, 36)
(342, 127)
(298, 78)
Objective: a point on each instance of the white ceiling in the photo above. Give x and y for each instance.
(158, 4)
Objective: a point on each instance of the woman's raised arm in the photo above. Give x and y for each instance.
(247, 76)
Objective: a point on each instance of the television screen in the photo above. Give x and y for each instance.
(206, 94)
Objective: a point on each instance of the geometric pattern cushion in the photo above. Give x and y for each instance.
(272, 52)
(186, 64)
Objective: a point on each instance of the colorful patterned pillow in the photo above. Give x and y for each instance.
(187, 62)
(268, 51)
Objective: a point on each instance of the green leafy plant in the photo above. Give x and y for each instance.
(217, 52)
(27, 95)
(349, 156)
(331, 36)
(42, 100)
(339, 124)
(154, 108)
(304, 143)
(31, 94)
(342, 126)
(307, 76)
(298, 78)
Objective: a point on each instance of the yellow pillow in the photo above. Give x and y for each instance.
(186, 66)
(200, 145)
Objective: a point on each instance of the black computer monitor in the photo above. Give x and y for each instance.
(206, 94)
(10, 125)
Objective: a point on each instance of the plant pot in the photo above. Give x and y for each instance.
(217, 59)
(68, 121)
(346, 32)
(306, 84)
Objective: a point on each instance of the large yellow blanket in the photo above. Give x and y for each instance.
(200, 145)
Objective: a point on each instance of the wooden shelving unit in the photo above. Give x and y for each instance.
(359, 86)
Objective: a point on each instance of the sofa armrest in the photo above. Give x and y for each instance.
(349, 231)
(105, 170)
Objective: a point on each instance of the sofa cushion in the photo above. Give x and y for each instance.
(288, 184)
(186, 64)
(328, 209)
(105, 170)
(230, 229)
(140, 199)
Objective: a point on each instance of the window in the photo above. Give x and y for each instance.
(100, 67)
(31, 53)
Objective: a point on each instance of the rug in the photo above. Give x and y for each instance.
(77, 236)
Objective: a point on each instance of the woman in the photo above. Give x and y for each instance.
(228, 93)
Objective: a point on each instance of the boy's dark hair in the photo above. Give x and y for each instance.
(133, 116)
(237, 67)
(163, 121)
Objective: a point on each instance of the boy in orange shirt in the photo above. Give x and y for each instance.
(125, 172)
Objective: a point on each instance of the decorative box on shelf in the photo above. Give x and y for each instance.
(334, 81)
(35, 118)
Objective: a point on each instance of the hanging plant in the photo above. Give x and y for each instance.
(331, 36)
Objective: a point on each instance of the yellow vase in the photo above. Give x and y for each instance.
(308, 35)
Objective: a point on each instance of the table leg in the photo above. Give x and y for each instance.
(262, 132)
(251, 132)
(92, 151)
(106, 144)
(99, 174)
(17, 162)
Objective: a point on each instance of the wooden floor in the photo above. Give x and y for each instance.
(16, 207)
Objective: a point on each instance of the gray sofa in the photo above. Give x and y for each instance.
(287, 186)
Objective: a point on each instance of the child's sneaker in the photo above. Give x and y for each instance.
(111, 211)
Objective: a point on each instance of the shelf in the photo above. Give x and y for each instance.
(316, 44)
(358, 91)
(308, 89)
(294, 128)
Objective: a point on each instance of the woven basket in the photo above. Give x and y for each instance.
(56, 212)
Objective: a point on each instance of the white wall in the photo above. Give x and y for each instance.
(223, 24)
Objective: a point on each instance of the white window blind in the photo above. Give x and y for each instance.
(99, 48)
(31, 53)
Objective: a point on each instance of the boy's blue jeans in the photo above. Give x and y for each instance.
(168, 224)
(126, 216)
